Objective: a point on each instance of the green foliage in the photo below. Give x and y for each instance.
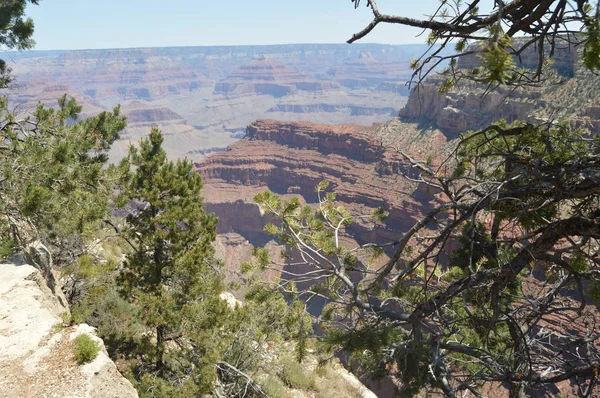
(496, 61)
(272, 318)
(81, 312)
(320, 227)
(149, 386)
(85, 349)
(512, 157)
(15, 32)
(294, 376)
(171, 273)
(117, 320)
(260, 256)
(594, 291)
(578, 263)
(446, 85)
(591, 48)
(53, 168)
(273, 387)
(7, 246)
(460, 45)
(379, 214)
(475, 245)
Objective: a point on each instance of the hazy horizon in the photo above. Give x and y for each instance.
(35, 49)
(114, 24)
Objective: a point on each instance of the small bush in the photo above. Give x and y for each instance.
(294, 376)
(322, 370)
(7, 247)
(332, 384)
(273, 387)
(81, 312)
(86, 349)
(114, 318)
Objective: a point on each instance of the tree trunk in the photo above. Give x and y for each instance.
(517, 390)
(160, 348)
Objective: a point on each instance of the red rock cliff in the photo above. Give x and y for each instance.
(292, 158)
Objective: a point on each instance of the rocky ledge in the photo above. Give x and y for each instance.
(36, 351)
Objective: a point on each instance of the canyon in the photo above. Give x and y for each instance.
(362, 162)
(285, 118)
(202, 98)
(291, 158)
(366, 171)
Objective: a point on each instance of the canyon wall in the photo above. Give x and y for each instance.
(291, 158)
(566, 91)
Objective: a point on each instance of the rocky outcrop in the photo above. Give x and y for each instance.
(145, 115)
(565, 92)
(347, 140)
(36, 351)
(468, 108)
(27, 94)
(565, 59)
(292, 158)
(263, 76)
(399, 88)
(180, 138)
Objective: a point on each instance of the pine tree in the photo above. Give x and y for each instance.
(54, 181)
(15, 32)
(171, 272)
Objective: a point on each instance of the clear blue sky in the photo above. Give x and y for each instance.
(80, 24)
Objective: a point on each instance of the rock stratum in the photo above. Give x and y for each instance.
(36, 351)
(263, 76)
(291, 158)
(367, 70)
(567, 92)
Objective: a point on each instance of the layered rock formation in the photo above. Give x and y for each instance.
(332, 108)
(217, 62)
(28, 93)
(368, 71)
(473, 107)
(461, 110)
(36, 352)
(292, 158)
(286, 82)
(180, 139)
(117, 76)
(263, 76)
(566, 92)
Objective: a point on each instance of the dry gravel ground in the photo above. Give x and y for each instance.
(36, 351)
